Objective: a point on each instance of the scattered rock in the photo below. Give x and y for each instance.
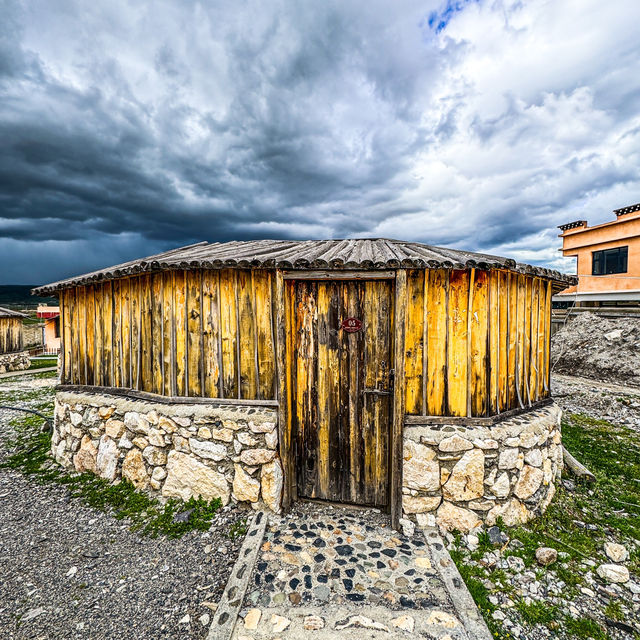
(443, 619)
(280, 623)
(497, 537)
(32, 613)
(362, 622)
(613, 573)
(546, 556)
(406, 623)
(313, 623)
(252, 619)
(616, 552)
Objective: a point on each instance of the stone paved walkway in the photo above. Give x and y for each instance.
(325, 572)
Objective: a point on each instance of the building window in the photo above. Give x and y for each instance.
(56, 327)
(609, 261)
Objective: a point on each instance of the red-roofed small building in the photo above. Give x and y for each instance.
(51, 329)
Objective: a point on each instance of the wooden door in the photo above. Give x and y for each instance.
(342, 388)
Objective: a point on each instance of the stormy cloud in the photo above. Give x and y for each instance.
(130, 128)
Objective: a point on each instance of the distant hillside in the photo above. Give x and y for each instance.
(19, 296)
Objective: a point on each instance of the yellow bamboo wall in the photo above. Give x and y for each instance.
(176, 333)
(10, 335)
(477, 342)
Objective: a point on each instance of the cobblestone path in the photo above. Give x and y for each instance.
(327, 573)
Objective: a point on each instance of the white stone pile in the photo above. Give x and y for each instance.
(14, 361)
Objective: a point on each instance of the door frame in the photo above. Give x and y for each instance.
(284, 347)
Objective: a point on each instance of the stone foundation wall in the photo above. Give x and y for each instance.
(460, 477)
(14, 361)
(172, 450)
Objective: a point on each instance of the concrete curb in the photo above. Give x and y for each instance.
(230, 604)
(24, 372)
(463, 603)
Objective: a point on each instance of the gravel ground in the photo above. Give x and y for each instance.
(70, 571)
(597, 347)
(606, 401)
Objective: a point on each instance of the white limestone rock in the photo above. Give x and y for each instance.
(187, 477)
(420, 468)
(107, 458)
(253, 457)
(466, 481)
(271, 479)
(135, 470)
(245, 488)
(206, 449)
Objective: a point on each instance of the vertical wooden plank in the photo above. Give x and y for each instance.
(157, 330)
(547, 354)
(107, 333)
(134, 322)
(180, 312)
(324, 376)
(397, 330)
(146, 347)
(494, 304)
(264, 335)
(306, 407)
(75, 343)
(527, 339)
(379, 305)
(457, 342)
(512, 344)
(436, 352)
(228, 332)
(125, 329)
(194, 333)
(414, 345)
(284, 358)
(535, 320)
(99, 335)
(478, 344)
(503, 342)
(81, 301)
(65, 298)
(168, 318)
(373, 295)
(246, 336)
(211, 330)
(352, 344)
(117, 333)
(520, 349)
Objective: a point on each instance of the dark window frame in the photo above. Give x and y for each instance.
(610, 261)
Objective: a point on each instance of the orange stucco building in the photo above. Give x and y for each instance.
(51, 328)
(608, 259)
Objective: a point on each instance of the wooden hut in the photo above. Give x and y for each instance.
(10, 331)
(12, 355)
(351, 343)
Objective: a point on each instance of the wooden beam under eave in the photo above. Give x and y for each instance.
(397, 424)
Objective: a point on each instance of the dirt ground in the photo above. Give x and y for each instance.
(606, 349)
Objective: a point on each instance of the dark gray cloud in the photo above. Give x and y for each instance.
(130, 128)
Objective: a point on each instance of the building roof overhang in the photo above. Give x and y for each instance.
(354, 254)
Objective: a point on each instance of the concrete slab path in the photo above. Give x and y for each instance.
(325, 572)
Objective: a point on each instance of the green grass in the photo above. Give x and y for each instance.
(537, 612)
(611, 505)
(146, 514)
(43, 363)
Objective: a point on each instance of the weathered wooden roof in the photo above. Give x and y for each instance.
(363, 254)
(9, 313)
